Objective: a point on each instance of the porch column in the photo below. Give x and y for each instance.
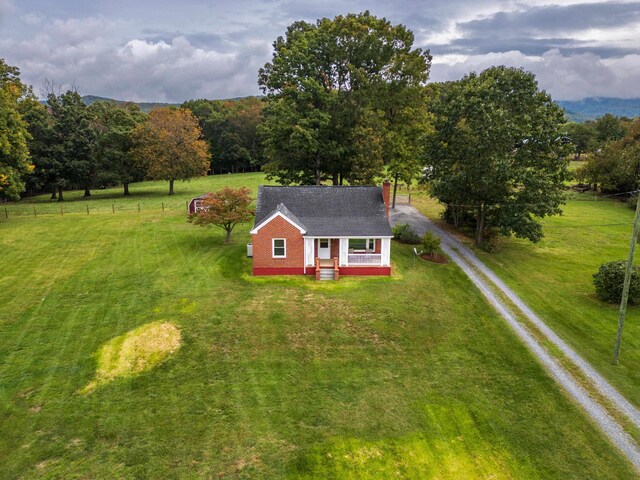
(309, 261)
(344, 250)
(385, 252)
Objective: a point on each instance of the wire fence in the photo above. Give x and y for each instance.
(35, 210)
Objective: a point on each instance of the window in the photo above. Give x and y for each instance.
(362, 244)
(279, 248)
(324, 243)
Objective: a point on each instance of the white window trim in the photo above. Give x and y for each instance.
(273, 248)
(367, 244)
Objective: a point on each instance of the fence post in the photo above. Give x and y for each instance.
(87, 209)
(138, 207)
(163, 206)
(186, 204)
(61, 210)
(6, 213)
(34, 211)
(113, 208)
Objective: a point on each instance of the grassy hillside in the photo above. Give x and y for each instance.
(411, 376)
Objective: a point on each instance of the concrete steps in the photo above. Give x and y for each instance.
(326, 274)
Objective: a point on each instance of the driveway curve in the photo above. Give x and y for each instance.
(487, 282)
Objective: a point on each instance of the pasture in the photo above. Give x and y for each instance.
(410, 376)
(554, 277)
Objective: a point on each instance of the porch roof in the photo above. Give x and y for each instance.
(328, 210)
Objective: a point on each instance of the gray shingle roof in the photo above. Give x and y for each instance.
(328, 211)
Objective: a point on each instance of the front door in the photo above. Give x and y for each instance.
(324, 248)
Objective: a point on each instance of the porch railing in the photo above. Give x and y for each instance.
(364, 259)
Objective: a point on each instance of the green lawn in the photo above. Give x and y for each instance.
(554, 277)
(410, 376)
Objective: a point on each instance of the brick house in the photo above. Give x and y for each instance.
(326, 231)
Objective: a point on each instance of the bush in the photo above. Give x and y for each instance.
(430, 244)
(490, 242)
(609, 280)
(405, 234)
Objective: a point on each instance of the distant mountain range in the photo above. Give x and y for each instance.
(144, 106)
(595, 107)
(577, 110)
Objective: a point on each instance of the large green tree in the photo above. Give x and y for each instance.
(582, 137)
(230, 128)
(39, 124)
(340, 93)
(616, 167)
(65, 157)
(14, 153)
(496, 155)
(114, 126)
(169, 146)
(609, 128)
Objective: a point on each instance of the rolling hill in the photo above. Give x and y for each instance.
(595, 107)
(577, 110)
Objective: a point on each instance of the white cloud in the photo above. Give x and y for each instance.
(565, 77)
(6, 7)
(32, 18)
(167, 53)
(81, 51)
(137, 50)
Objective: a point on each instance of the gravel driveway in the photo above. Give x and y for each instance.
(487, 282)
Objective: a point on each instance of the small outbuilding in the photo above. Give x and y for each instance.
(326, 231)
(196, 204)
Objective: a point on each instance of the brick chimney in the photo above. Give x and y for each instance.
(386, 190)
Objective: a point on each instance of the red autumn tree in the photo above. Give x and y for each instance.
(225, 209)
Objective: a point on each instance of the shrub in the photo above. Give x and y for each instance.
(609, 280)
(405, 234)
(430, 244)
(490, 242)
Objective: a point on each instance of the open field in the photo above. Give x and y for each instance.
(555, 278)
(412, 376)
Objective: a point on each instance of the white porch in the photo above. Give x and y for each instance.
(349, 251)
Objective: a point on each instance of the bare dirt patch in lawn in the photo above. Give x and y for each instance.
(134, 352)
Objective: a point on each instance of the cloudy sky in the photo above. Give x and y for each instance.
(172, 51)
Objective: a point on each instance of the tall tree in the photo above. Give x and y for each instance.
(169, 146)
(69, 160)
(230, 128)
(608, 128)
(616, 167)
(39, 124)
(14, 153)
(114, 125)
(582, 136)
(332, 88)
(497, 155)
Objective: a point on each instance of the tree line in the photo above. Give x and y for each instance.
(61, 144)
(347, 101)
(610, 148)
